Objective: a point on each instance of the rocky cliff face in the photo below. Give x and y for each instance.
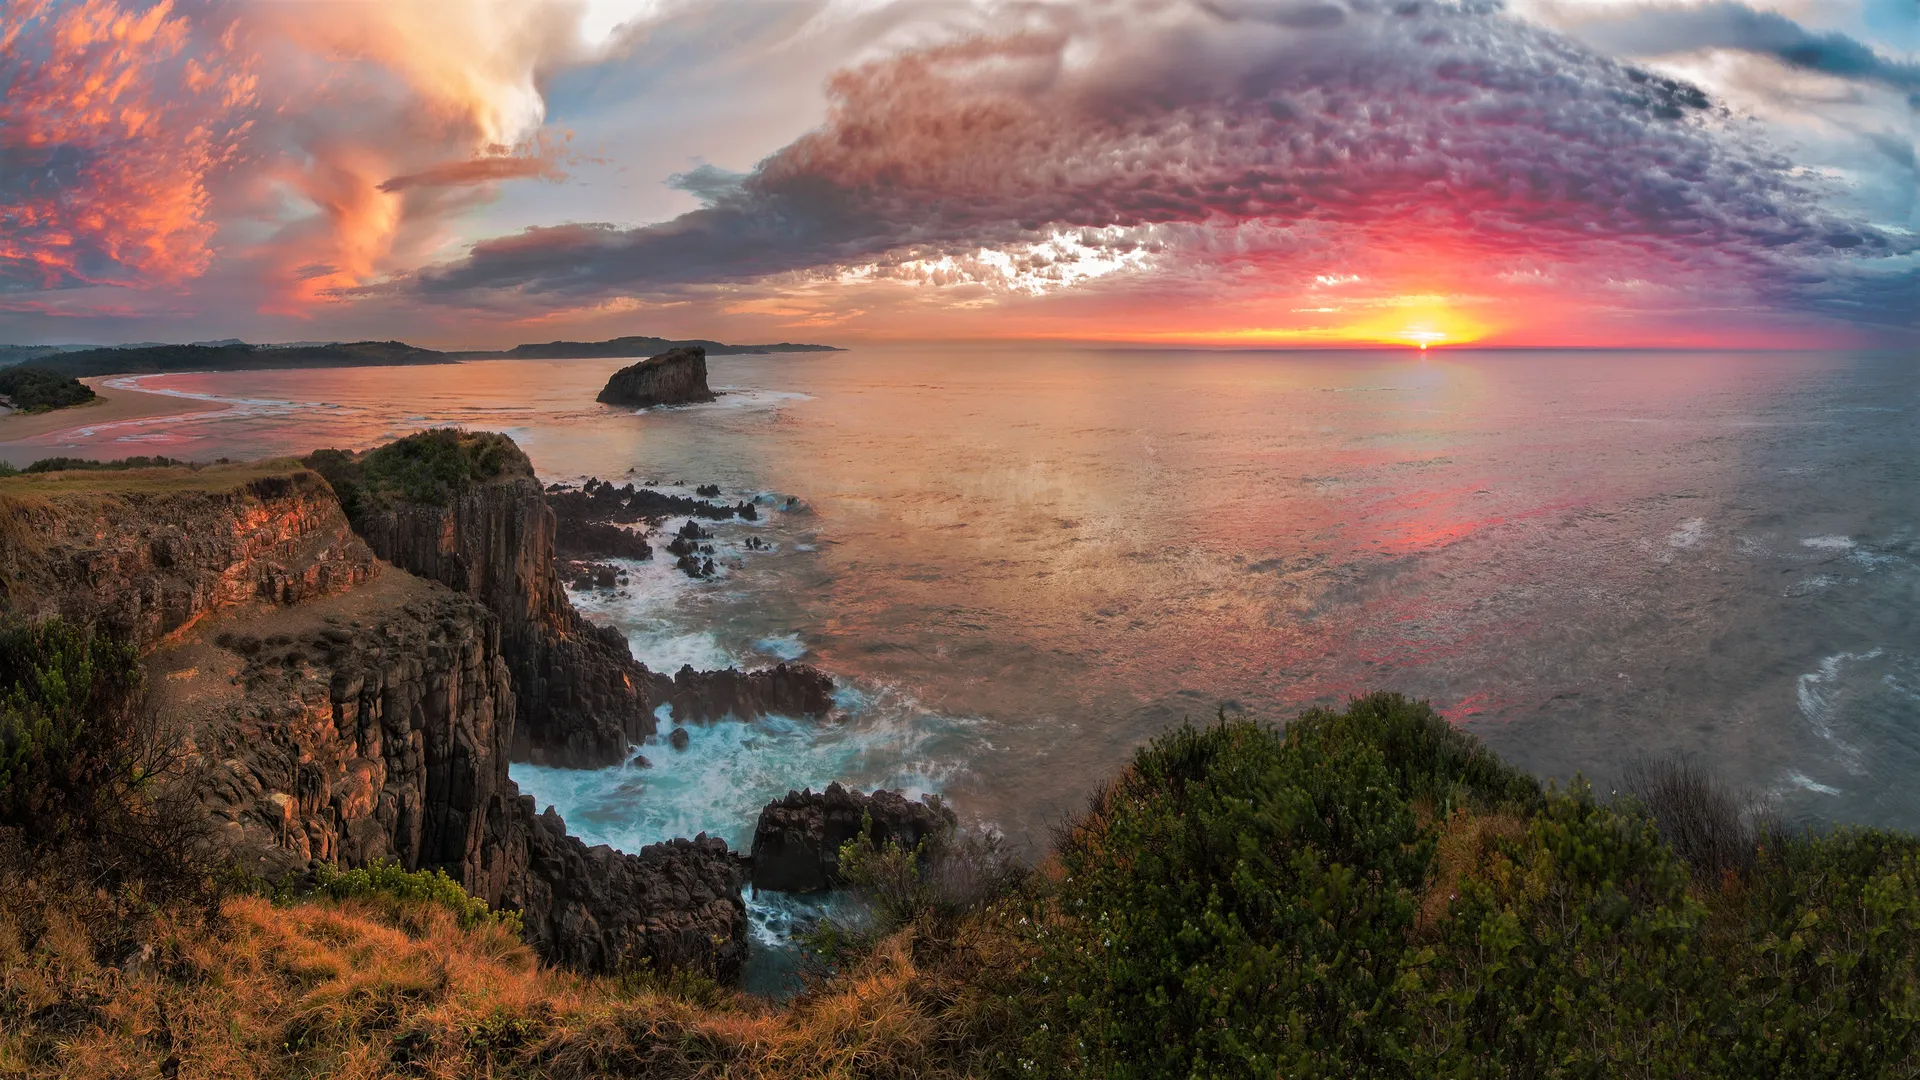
(154, 556)
(343, 711)
(675, 377)
(582, 699)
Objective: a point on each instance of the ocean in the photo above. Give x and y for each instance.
(1021, 562)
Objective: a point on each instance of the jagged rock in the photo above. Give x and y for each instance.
(675, 377)
(784, 690)
(672, 905)
(796, 844)
(678, 740)
(582, 700)
(708, 491)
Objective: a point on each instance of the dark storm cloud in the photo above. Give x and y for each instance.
(1453, 126)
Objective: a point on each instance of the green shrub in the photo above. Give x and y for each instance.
(35, 389)
(1235, 904)
(432, 467)
(68, 698)
(391, 880)
(87, 778)
(1371, 893)
(62, 464)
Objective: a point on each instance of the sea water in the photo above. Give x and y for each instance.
(1021, 563)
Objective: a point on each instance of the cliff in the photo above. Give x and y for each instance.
(485, 528)
(675, 377)
(340, 710)
(151, 551)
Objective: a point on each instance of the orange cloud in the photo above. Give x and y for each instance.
(109, 133)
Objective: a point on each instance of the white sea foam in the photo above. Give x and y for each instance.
(1688, 534)
(785, 646)
(1821, 694)
(734, 398)
(731, 769)
(1828, 543)
(1801, 780)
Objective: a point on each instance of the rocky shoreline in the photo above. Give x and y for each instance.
(355, 683)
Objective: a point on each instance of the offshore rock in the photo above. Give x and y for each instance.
(675, 377)
(796, 844)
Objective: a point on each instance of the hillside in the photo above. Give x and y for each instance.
(35, 389)
(149, 359)
(634, 346)
(154, 359)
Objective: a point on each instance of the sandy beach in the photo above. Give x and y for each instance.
(23, 435)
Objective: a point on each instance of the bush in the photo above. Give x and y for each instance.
(35, 389)
(390, 880)
(1711, 827)
(62, 464)
(943, 879)
(1233, 904)
(432, 467)
(84, 770)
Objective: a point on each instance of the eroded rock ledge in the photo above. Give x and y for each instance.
(796, 844)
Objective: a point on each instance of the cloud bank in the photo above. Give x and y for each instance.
(1314, 168)
(1454, 131)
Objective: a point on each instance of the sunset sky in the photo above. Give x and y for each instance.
(478, 173)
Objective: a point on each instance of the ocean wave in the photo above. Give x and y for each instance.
(731, 769)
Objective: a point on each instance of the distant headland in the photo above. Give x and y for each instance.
(150, 358)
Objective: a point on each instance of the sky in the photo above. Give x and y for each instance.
(478, 173)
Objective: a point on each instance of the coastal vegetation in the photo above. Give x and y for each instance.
(431, 467)
(1365, 892)
(35, 389)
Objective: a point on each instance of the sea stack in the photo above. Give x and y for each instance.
(675, 377)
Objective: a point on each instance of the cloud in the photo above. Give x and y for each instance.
(477, 170)
(1663, 29)
(278, 152)
(1437, 131)
(113, 124)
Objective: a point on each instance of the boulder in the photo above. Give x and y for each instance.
(675, 377)
(796, 844)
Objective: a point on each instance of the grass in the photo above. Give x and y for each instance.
(383, 986)
(139, 480)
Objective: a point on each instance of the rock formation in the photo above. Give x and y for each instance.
(796, 844)
(675, 377)
(152, 558)
(343, 711)
(582, 698)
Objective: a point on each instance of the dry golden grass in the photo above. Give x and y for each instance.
(95, 987)
(1465, 842)
(145, 481)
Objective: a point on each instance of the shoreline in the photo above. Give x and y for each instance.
(20, 433)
